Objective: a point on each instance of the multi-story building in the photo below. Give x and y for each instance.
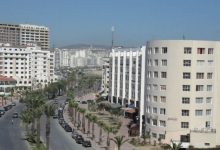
(182, 99)
(28, 65)
(105, 77)
(126, 77)
(24, 34)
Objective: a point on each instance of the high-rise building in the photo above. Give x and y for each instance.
(182, 99)
(24, 34)
(28, 65)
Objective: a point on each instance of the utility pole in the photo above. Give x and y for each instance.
(113, 30)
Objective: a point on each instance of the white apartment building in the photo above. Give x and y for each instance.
(127, 76)
(105, 76)
(28, 65)
(182, 99)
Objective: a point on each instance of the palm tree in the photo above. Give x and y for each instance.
(26, 119)
(101, 126)
(119, 141)
(83, 111)
(49, 111)
(94, 120)
(88, 116)
(109, 130)
(75, 105)
(71, 106)
(174, 146)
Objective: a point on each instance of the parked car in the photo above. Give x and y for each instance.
(74, 134)
(2, 111)
(84, 102)
(87, 144)
(15, 115)
(13, 104)
(64, 124)
(61, 120)
(79, 139)
(55, 116)
(68, 128)
(7, 107)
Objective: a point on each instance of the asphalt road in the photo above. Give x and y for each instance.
(59, 138)
(11, 137)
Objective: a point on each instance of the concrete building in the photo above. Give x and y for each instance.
(105, 77)
(182, 100)
(23, 34)
(28, 65)
(127, 76)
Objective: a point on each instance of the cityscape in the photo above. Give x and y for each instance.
(110, 75)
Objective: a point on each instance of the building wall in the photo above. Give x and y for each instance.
(175, 101)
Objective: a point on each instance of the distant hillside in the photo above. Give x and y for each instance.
(76, 46)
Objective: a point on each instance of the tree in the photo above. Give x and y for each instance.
(83, 111)
(101, 126)
(88, 116)
(49, 111)
(119, 141)
(109, 130)
(172, 146)
(71, 106)
(26, 118)
(94, 120)
(146, 136)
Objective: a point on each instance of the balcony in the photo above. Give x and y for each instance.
(203, 130)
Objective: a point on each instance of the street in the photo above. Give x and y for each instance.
(59, 138)
(11, 136)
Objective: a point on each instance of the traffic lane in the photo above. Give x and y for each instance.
(11, 135)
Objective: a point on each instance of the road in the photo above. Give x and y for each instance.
(11, 137)
(59, 138)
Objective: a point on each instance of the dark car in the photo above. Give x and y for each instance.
(55, 116)
(68, 128)
(64, 124)
(15, 115)
(87, 144)
(2, 111)
(13, 104)
(84, 102)
(74, 134)
(7, 107)
(61, 120)
(79, 139)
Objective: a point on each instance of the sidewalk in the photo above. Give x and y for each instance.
(123, 130)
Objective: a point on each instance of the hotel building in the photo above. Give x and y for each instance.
(24, 34)
(182, 100)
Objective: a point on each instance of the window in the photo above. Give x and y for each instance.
(154, 135)
(187, 50)
(155, 98)
(207, 124)
(156, 50)
(186, 62)
(199, 75)
(198, 112)
(185, 112)
(163, 87)
(210, 62)
(156, 62)
(162, 136)
(199, 100)
(209, 75)
(155, 74)
(209, 87)
(148, 86)
(154, 122)
(163, 99)
(154, 110)
(164, 62)
(155, 87)
(200, 50)
(185, 100)
(208, 112)
(162, 111)
(184, 124)
(210, 50)
(186, 87)
(162, 123)
(186, 75)
(208, 100)
(163, 75)
(200, 62)
(199, 87)
(149, 51)
(164, 50)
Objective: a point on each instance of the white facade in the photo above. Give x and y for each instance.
(105, 77)
(127, 77)
(182, 99)
(29, 66)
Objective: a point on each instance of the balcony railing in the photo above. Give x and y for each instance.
(203, 130)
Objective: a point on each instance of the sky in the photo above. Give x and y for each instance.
(135, 21)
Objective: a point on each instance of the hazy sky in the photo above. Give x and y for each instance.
(135, 21)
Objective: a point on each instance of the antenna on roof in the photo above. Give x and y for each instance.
(184, 37)
(113, 30)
